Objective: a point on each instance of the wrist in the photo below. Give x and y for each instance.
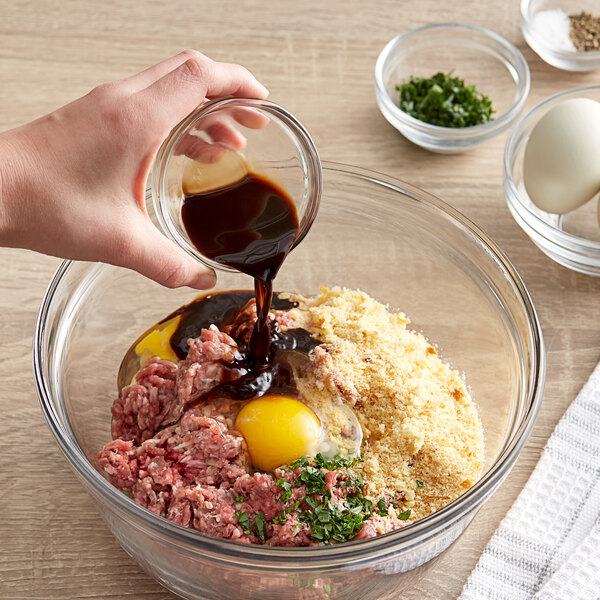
(12, 189)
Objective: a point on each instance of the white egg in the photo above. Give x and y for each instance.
(561, 168)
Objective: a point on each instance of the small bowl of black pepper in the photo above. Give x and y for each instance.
(562, 33)
(450, 87)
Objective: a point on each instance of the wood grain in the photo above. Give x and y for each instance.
(317, 59)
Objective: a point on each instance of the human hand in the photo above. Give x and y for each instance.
(72, 184)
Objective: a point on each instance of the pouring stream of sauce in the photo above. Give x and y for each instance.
(249, 225)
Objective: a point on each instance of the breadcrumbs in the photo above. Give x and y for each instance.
(423, 439)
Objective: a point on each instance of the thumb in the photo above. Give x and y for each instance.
(166, 263)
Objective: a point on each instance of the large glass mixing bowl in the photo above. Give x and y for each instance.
(386, 237)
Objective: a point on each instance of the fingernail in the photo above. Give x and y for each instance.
(265, 92)
(204, 280)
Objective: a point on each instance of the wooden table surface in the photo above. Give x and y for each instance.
(317, 59)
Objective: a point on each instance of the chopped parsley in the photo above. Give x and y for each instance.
(336, 463)
(280, 518)
(259, 523)
(301, 462)
(357, 480)
(312, 502)
(329, 521)
(240, 499)
(358, 504)
(419, 483)
(403, 516)
(445, 101)
(244, 521)
(286, 486)
(314, 479)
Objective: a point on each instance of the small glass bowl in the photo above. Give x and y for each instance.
(546, 47)
(221, 142)
(477, 55)
(572, 239)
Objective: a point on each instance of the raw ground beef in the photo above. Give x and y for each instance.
(163, 389)
(188, 465)
(194, 474)
(205, 367)
(140, 408)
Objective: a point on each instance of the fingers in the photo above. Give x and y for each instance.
(175, 95)
(148, 76)
(163, 261)
(229, 73)
(222, 130)
(199, 150)
(180, 91)
(250, 117)
(223, 134)
(229, 79)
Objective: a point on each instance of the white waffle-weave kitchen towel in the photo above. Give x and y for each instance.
(548, 545)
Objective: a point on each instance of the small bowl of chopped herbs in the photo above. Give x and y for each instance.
(450, 87)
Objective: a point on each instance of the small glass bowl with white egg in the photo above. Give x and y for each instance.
(546, 26)
(552, 177)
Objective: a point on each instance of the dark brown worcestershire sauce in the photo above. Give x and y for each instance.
(249, 225)
(220, 309)
(217, 308)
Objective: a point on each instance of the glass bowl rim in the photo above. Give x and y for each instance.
(574, 55)
(280, 558)
(556, 236)
(517, 61)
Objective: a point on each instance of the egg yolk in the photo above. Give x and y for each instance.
(158, 343)
(278, 430)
